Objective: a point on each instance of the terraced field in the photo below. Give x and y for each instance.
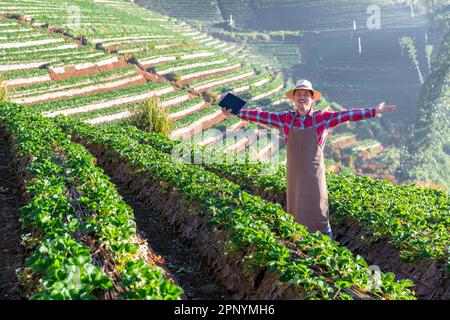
(290, 14)
(186, 9)
(135, 67)
(326, 51)
(103, 92)
(98, 196)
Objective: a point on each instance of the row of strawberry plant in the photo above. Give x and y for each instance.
(81, 234)
(117, 109)
(311, 261)
(417, 219)
(8, 24)
(75, 82)
(267, 87)
(250, 81)
(214, 78)
(207, 68)
(139, 44)
(416, 231)
(184, 105)
(16, 33)
(17, 56)
(33, 51)
(22, 74)
(98, 97)
(102, 112)
(113, 19)
(185, 121)
(168, 66)
(82, 57)
(216, 131)
(225, 139)
(146, 55)
(13, 38)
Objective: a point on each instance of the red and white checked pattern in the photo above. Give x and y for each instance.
(324, 119)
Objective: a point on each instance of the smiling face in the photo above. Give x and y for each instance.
(303, 101)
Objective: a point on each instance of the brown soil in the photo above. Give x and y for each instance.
(169, 253)
(371, 168)
(10, 251)
(151, 77)
(344, 143)
(367, 154)
(70, 71)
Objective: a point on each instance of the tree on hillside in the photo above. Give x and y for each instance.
(408, 43)
(426, 159)
(150, 117)
(3, 90)
(428, 53)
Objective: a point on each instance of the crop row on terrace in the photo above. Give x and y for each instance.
(187, 9)
(409, 225)
(20, 74)
(121, 111)
(168, 67)
(118, 19)
(80, 101)
(247, 83)
(74, 82)
(42, 48)
(54, 57)
(256, 247)
(80, 237)
(153, 58)
(209, 82)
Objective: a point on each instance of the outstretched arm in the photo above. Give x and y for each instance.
(256, 115)
(337, 117)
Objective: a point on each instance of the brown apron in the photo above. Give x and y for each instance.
(306, 188)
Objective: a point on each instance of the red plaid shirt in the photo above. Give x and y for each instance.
(324, 119)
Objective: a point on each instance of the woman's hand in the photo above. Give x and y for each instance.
(227, 112)
(382, 107)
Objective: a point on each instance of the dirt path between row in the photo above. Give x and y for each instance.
(10, 253)
(178, 259)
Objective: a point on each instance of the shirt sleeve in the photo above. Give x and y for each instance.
(332, 119)
(263, 117)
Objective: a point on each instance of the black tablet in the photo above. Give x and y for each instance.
(230, 101)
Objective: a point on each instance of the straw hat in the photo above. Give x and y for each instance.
(305, 85)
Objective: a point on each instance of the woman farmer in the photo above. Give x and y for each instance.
(305, 131)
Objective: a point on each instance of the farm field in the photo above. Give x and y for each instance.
(98, 209)
(320, 41)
